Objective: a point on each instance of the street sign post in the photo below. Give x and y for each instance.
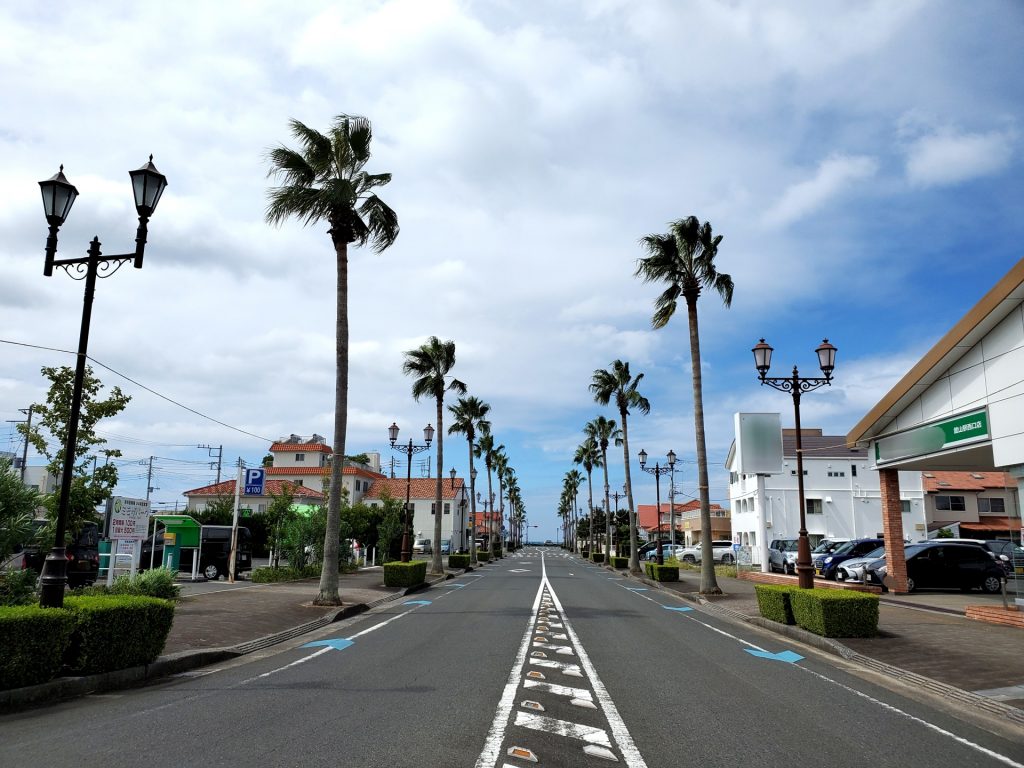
(254, 481)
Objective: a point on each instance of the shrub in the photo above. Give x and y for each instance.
(496, 551)
(18, 587)
(458, 561)
(836, 612)
(773, 600)
(664, 572)
(116, 632)
(597, 557)
(399, 574)
(158, 582)
(33, 640)
(585, 553)
(620, 562)
(287, 573)
(482, 555)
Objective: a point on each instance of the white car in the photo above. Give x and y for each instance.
(853, 570)
(667, 550)
(721, 552)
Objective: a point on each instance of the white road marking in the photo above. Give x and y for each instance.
(584, 733)
(566, 669)
(558, 690)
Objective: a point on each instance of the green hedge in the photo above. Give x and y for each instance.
(399, 574)
(836, 612)
(773, 600)
(620, 562)
(657, 572)
(597, 557)
(116, 632)
(482, 555)
(458, 561)
(496, 551)
(585, 553)
(286, 573)
(32, 643)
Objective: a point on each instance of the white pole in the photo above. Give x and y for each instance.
(234, 525)
(762, 529)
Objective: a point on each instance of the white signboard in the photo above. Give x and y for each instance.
(758, 443)
(129, 519)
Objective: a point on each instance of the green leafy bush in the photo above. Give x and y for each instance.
(773, 600)
(18, 587)
(585, 554)
(496, 551)
(836, 612)
(157, 582)
(32, 643)
(284, 573)
(458, 561)
(666, 572)
(399, 574)
(482, 555)
(116, 631)
(597, 557)
(620, 562)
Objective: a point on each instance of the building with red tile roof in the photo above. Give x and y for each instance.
(456, 509)
(688, 525)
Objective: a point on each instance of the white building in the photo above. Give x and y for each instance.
(456, 519)
(841, 491)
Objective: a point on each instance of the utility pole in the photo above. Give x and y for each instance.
(220, 456)
(149, 479)
(28, 429)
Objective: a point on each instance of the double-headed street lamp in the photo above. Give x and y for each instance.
(409, 450)
(59, 195)
(472, 501)
(796, 385)
(657, 470)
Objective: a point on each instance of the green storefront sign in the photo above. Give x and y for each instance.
(933, 438)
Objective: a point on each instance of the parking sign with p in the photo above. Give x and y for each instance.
(254, 482)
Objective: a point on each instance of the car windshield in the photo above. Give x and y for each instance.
(823, 547)
(879, 552)
(845, 549)
(789, 546)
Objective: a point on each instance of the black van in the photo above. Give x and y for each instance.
(83, 555)
(214, 551)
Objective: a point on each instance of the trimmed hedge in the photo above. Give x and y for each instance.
(482, 555)
(597, 557)
(836, 612)
(116, 632)
(32, 643)
(399, 574)
(657, 572)
(270, 575)
(773, 600)
(496, 551)
(458, 561)
(620, 562)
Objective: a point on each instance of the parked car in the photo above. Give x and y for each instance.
(446, 547)
(1009, 555)
(667, 550)
(422, 547)
(936, 564)
(826, 547)
(782, 556)
(825, 565)
(83, 555)
(642, 551)
(853, 569)
(214, 552)
(721, 552)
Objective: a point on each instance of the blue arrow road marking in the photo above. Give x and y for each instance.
(674, 608)
(787, 656)
(417, 602)
(338, 643)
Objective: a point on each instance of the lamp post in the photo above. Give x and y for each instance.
(59, 195)
(657, 470)
(451, 474)
(797, 385)
(617, 496)
(409, 450)
(472, 499)
(672, 495)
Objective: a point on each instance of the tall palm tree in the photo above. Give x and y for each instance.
(486, 449)
(684, 259)
(325, 180)
(617, 383)
(588, 455)
(602, 431)
(573, 481)
(430, 364)
(501, 468)
(470, 414)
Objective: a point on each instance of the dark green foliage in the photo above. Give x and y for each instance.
(458, 561)
(585, 553)
(285, 573)
(773, 600)
(482, 555)
(597, 557)
(496, 551)
(665, 572)
(158, 582)
(32, 643)
(116, 632)
(836, 612)
(218, 511)
(17, 587)
(17, 508)
(620, 562)
(399, 574)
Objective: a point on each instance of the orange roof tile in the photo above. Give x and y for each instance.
(271, 487)
(943, 482)
(419, 488)
(301, 447)
(647, 518)
(324, 470)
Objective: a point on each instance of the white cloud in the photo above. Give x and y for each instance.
(835, 175)
(946, 158)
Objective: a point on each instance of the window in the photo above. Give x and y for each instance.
(835, 474)
(793, 472)
(905, 506)
(433, 509)
(853, 470)
(300, 457)
(299, 481)
(991, 506)
(950, 503)
(447, 508)
(733, 478)
(813, 506)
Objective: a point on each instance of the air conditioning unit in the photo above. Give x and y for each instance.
(768, 524)
(919, 526)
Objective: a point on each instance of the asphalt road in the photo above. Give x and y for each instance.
(564, 660)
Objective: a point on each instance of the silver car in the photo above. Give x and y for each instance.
(782, 556)
(853, 570)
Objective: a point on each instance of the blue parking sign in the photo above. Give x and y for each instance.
(254, 481)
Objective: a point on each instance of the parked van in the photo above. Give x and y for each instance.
(83, 555)
(214, 552)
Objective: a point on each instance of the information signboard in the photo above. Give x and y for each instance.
(129, 519)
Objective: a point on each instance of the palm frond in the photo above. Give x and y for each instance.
(382, 223)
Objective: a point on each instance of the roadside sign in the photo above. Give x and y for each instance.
(735, 547)
(129, 519)
(245, 512)
(254, 481)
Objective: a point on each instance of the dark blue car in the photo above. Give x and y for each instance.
(827, 565)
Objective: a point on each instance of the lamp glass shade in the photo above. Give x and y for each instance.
(671, 458)
(451, 474)
(762, 356)
(58, 196)
(826, 358)
(473, 473)
(643, 457)
(393, 432)
(148, 184)
(428, 433)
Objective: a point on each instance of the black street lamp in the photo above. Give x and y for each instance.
(796, 385)
(451, 474)
(657, 470)
(617, 496)
(672, 495)
(409, 450)
(59, 195)
(472, 501)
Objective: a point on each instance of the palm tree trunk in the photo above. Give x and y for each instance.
(436, 566)
(634, 560)
(708, 582)
(328, 594)
(472, 502)
(607, 513)
(490, 507)
(590, 504)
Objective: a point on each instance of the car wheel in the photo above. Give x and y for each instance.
(911, 586)
(840, 575)
(211, 571)
(992, 584)
(790, 569)
(726, 559)
(689, 559)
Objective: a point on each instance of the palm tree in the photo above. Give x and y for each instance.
(486, 449)
(588, 454)
(572, 483)
(501, 469)
(430, 364)
(617, 383)
(325, 180)
(470, 414)
(602, 431)
(684, 258)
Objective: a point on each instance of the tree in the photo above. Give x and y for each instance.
(486, 449)
(588, 455)
(430, 364)
(684, 258)
(278, 517)
(219, 510)
(501, 468)
(617, 383)
(602, 431)
(469, 414)
(17, 509)
(89, 486)
(325, 180)
(571, 487)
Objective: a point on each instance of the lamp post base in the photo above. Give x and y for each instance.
(53, 579)
(805, 576)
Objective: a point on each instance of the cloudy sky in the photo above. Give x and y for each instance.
(862, 162)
